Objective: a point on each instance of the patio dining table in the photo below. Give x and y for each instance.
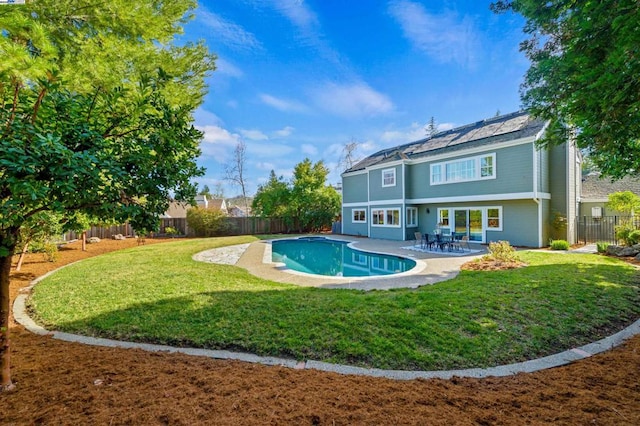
(449, 242)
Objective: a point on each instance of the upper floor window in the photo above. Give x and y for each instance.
(389, 177)
(464, 170)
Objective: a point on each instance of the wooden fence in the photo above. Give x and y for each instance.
(239, 226)
(102, 232)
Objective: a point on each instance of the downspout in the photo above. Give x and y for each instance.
(369, 206)
(403, 213)
(343, 209)
(536, 184)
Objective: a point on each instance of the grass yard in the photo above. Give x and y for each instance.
(158, 294)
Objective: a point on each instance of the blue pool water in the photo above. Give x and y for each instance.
(322, 256)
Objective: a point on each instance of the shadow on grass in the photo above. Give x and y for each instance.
(479, 319)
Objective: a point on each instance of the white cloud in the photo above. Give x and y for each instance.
(352, 100)
(227, 68)
(297, 12)
(284, 132)
(282, 104)
(218, 142)
(269, 150)
(232, 104)
(413, 133)
(445, 37)
(255, 135)
(229, 33)
(203, 117)
(309, 149)
(263, 165)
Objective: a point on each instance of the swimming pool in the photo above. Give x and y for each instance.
(323, 256)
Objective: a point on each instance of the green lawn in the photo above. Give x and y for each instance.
(156, 293)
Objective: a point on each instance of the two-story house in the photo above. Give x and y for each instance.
(488, 180)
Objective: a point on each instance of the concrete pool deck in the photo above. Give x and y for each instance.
(431, 267)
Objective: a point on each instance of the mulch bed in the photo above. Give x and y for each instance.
(66, 383)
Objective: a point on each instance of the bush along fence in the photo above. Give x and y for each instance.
(602, 229)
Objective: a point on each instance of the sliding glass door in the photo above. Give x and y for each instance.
(468, 222)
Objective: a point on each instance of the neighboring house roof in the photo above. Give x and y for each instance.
(597, 188)
(176, 210)
(237, 211)
(503, 128)
(202, 201)
(218, 204)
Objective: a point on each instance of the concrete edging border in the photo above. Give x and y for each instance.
(22, 317)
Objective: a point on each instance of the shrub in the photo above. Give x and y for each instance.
(559, 245)
(171, 231)
(208, 222)
(627, 234)
(51, 252)
(502, 251)
(602, 247)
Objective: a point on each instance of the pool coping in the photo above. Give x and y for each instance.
(268, 253)
(438, 267)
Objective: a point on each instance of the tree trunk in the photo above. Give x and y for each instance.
(23, 253)
(84, 240)
(7, 246)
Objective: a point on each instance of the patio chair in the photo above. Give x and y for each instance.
(418, 236)
(442, 241)
(428, 242)
(464, 241)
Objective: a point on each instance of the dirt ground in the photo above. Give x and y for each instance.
(66, 383)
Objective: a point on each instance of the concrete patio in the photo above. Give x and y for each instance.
(431, 267)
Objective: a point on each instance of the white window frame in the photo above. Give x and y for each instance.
(500, 218)
(391, 174)
(412, 217)
(438, 171)
(364, 215)
(385, 217)
(448, 224)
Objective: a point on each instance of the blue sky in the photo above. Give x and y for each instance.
(299, 79)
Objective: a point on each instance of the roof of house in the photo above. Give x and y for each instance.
(176, 210)
(217, 203)
(503, 128)
(597, 187)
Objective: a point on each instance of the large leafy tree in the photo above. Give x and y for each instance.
(96, 103)
(585, 75)
(272, 198)
(306, 201)
(315, 203)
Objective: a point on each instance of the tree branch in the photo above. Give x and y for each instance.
(12, 115)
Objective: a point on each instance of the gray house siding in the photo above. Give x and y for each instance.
(354, 188)
(520, 224)
(378, 192)
(519, 220)
(349, 227)
(558, 182)
(514, 173)
(543, 170)
(387, 232)
(529, 186)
